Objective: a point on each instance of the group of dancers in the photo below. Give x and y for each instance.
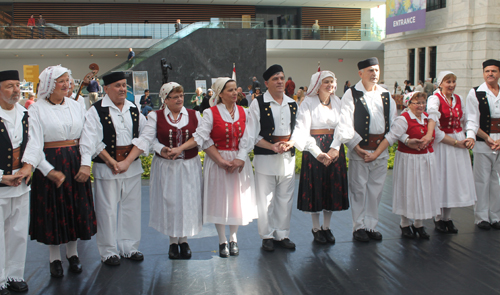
(58, 140)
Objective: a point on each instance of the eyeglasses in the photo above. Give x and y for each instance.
(176, 97)
(419, 103)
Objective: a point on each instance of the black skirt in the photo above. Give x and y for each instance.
(64, 214)
(320, 187)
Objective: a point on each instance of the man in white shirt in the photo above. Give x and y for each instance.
(483, 125)
(110, 126)
(367, 113)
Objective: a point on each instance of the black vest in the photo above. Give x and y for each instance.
(484, 112)
(6, 150)
(362, 116)
(108, 129)
(267, 124)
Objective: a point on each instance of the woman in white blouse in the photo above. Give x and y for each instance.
(62, 208)
(323, 176)
(229, 191)
(175, 186)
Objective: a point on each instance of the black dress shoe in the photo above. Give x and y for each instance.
(327, 233)
(406, 232)
(440, 226)
(421, 232)
(360, 235)
(495, 225)
(268, 245)
(319, 237)
(185, 251)
(4, 291)
(374, 235)
(173, 251)
(56, 269)
(233, 249)
(74, 264)
(137, 256)
(451, 227)
(223, 250)
(17, 286)
(286, 243)
(484, 225)
(113, 261)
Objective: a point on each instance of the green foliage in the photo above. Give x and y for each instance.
(298, 161)
(146, 165)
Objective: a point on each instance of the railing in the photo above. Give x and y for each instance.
(324, 33)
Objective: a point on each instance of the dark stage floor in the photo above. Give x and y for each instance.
(463, 263)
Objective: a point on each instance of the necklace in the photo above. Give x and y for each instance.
(62, 102)
(232, 113)
(175, 121)
(325, 104)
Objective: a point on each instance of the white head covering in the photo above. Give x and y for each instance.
(317, 79)
(407, 97)
(217, 88)
(165, 91)
(48, 80)
(441, 76)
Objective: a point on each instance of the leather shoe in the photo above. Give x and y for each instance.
(360, 235)
(113, 260)
(421, 232)
(327, 233)
(286, 243)
(17, 286)
(374, 235)
(268, 245)
(495, 225)
(484, 225)
(56, 269)
(74, 264)
(233, 249)
(136, 256)
(4, 291)
(223, 250)
(451, 227)
(319, 237)
(406, 232)
(173, 251)
(440, 226)
(185, 251)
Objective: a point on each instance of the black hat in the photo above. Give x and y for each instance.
(113, 77)
(271, 71)
(491, 62)
(9, 75)
(372, 61)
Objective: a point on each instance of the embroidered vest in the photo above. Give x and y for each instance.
(171, 136)
(415, 130)
(6, 149)
(450, 116)
(484, 112)
(226, 136)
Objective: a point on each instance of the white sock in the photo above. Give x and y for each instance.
(221, 230)
(418, 223)
(405, 222)
(327, 216)
(173, 240)
(233, 229)
(71, 249)
(446, 212)
(183, 240)
(315, 220)
(55, 253)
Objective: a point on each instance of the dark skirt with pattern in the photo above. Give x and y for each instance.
(320, 187)
(64, 214)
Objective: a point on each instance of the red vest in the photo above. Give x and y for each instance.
(226, 136)
(450, 116)
(415, 130)
(170, 136)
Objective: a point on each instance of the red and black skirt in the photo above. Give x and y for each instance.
(323, 188)
(64, 214)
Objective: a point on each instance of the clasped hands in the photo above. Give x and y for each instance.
(328, 158)
(170, 153)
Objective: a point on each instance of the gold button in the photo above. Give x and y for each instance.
(367, 117)
(112, 146)
(8, 157)
(112, 135)
(9, 149)
(109, 122)
(8, 165)
(1, 130)
(267, 114)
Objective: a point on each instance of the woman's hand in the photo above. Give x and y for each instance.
(370, 157)
(361, 152)
(415, 144)
(226, 165)
(469, 143)
(325, 159)
(333, 154)
(56, 177)
(236, 164)
(113, 165)
(174, 153)
(25, 172)
(83, 174)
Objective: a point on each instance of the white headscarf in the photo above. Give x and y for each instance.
(217, 88)
(165, 91)
(442, 75)
(317, 79)
(48, 80)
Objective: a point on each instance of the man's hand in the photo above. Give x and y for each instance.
(361, 152)
(25, 172)
(469, 143)
(426, 140)
(57, 177)
(277, 147)
(123, 166)
(236, 164)
(12, 180)
(286, 146)
(370, 157)
(83, 174)
(113, 165)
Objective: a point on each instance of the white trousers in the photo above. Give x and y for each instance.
(486, 181)
(274, 205)
(118, 214)
(366, 182)
(14, 215)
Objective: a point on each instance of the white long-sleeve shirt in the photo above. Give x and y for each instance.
(433, 104)
(400, 126)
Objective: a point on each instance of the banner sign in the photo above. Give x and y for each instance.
(405, 15)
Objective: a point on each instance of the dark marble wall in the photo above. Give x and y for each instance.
(210, 53)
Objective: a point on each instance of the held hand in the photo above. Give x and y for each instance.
(277, 147)
(469, 143)
(361, 152)
(462, 144)
(236, 164)
(226, 165)
(426, 140)
(370, 157)
(165, 151)
(496, 146)
(333, 154)
(113, 165)
(415, 144)
(325, 159)
(83, 174)
(286, 146)
(12, 180)
(123, 166)
(174, 153)
(25, 172)
(57, 177)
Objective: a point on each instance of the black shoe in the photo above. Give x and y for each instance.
(319, 237)
(223, 250)
(173, 251)
(484, 225)
(328, 235)
(421, 232)
(74, 264)
(268, 245)
(17, 286)
(56, 269)
(113, 260)
(374, 235)
(451, 227)
(440, 226)
(233, 249)
(4, 291)
(286, 243)
(137, 256)
(495, 225)
(360, 235)
(406, 232)
(185, 251)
